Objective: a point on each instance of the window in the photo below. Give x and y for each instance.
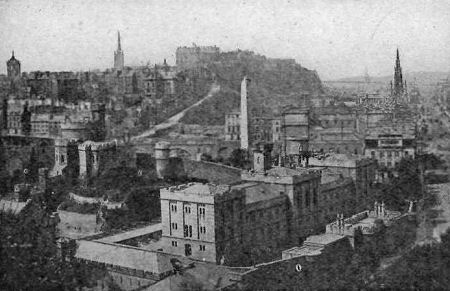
(202, 229)
(201, 211)
(174, 225)
(202, 248)
(173, 207)
(315, 197)
(307, 200)
(373, 154)
(381, 154)
(174, 243)
(187, 209)
(187, 250)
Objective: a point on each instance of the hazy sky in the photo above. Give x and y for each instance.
(336, 38)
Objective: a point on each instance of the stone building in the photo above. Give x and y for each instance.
(224, 224)
(362, 171)
(13, 67)
(95, 157)
(335, 129)
(261, 129)
(337, 195)
(390, 142)
(300, 186)
(160, 82)
(80, 122)
(233, 125)
(295, 128)
(246, 222)
(189, 57)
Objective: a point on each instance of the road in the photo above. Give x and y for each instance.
(176, 118)
(436, 220)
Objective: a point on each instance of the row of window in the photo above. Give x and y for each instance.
(308, 198)
(187, 231)
(187, 209)
(342, 122)
(201, 247)
(275, 211)
(389, 154)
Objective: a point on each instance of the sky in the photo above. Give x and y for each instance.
(335, 38)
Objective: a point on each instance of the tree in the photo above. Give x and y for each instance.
(238, 158)
(422, 268)
(29, 254)
(406, 186)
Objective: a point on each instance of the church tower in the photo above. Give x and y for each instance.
(13, 67)
(398, 79)
(118, 55)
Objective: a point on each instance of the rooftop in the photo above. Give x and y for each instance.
(323, 239)
(132, 233)
(200, 189)
(288, 172)
(336, 160)
(15, 207)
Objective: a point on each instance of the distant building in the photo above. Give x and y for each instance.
(232, 125)
(361, 170)
(335, 129)
(118, 55)
(189, 57)
(276, 130)
(95, 157)
(295, 128)
(160, 83)
(390, 142)
(13, 67)
(261, 129)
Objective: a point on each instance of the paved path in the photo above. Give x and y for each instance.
(176, 118)
(436, 220)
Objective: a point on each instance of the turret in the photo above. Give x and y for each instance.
(262, 158)
(162, 155)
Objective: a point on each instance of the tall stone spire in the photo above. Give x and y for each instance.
(398, 78)
(118, 55)
(119, 48)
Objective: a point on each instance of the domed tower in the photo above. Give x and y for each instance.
(13, 67)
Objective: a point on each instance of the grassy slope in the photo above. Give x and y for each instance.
(274, 84)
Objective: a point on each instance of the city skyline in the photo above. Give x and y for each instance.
(335, 39)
